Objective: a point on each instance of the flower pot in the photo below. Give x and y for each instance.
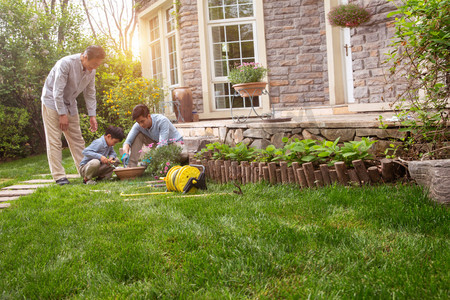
(129, 173)
(250, 89)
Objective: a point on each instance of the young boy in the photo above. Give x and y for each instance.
(100, 156)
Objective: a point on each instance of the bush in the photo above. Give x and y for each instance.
(88, 135)
(159, 160)
(120, 100)
(13, 123)
(421, 55)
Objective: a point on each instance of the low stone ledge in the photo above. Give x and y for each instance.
(435, 176)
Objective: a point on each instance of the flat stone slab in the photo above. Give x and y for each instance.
(24, 186)
(10, 193)
(4, 199)
(68, 176)
(32, 181)
(435, 175)
(5, 205)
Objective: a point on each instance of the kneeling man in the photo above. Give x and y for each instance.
(149, 129)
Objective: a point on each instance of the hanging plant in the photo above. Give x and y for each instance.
(348, 15)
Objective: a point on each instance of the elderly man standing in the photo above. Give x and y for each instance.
(70, 76)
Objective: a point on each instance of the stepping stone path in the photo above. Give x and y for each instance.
(27, 187)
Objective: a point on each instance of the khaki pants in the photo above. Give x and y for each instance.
(142, 140)
(94, 168)
(53, 133)
(137, 145)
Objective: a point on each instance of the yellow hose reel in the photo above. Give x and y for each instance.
(186, 179)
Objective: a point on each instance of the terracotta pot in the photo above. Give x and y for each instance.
(250, 89)
(184, 95)
(129, 173)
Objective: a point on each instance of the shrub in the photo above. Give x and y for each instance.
(119, 101)
(421, 55)
(13, 122)
(88, 135)
(159, 160)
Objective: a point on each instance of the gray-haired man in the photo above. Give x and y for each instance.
(70, 76)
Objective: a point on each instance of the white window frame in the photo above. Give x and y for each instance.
(206, 50)
(160, 12)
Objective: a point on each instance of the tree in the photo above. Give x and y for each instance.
(33, 36)
(116, 20)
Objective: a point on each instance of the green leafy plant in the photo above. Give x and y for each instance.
(242, 153)
(348, 15)
(328, 151)
(269, 154)
(421, 56)
(247, 72)
(300, 151)
(355, 150)
(159, 160)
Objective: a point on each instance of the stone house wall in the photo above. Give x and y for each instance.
(296, 52)
(370, 43)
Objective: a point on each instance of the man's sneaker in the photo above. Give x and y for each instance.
(62, 181)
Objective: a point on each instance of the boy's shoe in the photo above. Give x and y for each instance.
(62, 181)
(90, 182)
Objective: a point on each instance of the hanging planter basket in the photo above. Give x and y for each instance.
(348, 16)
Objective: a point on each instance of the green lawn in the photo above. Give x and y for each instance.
(77, 241)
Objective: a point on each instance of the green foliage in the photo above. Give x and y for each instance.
(348, 15)
(300, 151)
(354, 150)
(13, 141)
(296, 150)
(88, 135)
(241, 152)
(421, 55)
(247, 72)
(270, 154)
(159, 160)
(32, 39)
(119, 101)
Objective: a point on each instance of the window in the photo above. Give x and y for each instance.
(155, 49)
(163, 47)
(231, 27)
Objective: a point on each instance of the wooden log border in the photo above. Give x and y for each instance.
(304, 175)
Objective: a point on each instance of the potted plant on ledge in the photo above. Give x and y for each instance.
(246, 79)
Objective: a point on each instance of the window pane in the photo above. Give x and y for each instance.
(221, 68)
(230, 2)
(173, 68)
(154, 29)
(218, 53)
(246, 32)
(170, 19)
(245, 10)
(247, 50)
(232, 33)
(212, 3)
(231, 12)
(234, 50)
(218, 34)
(216, 13)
